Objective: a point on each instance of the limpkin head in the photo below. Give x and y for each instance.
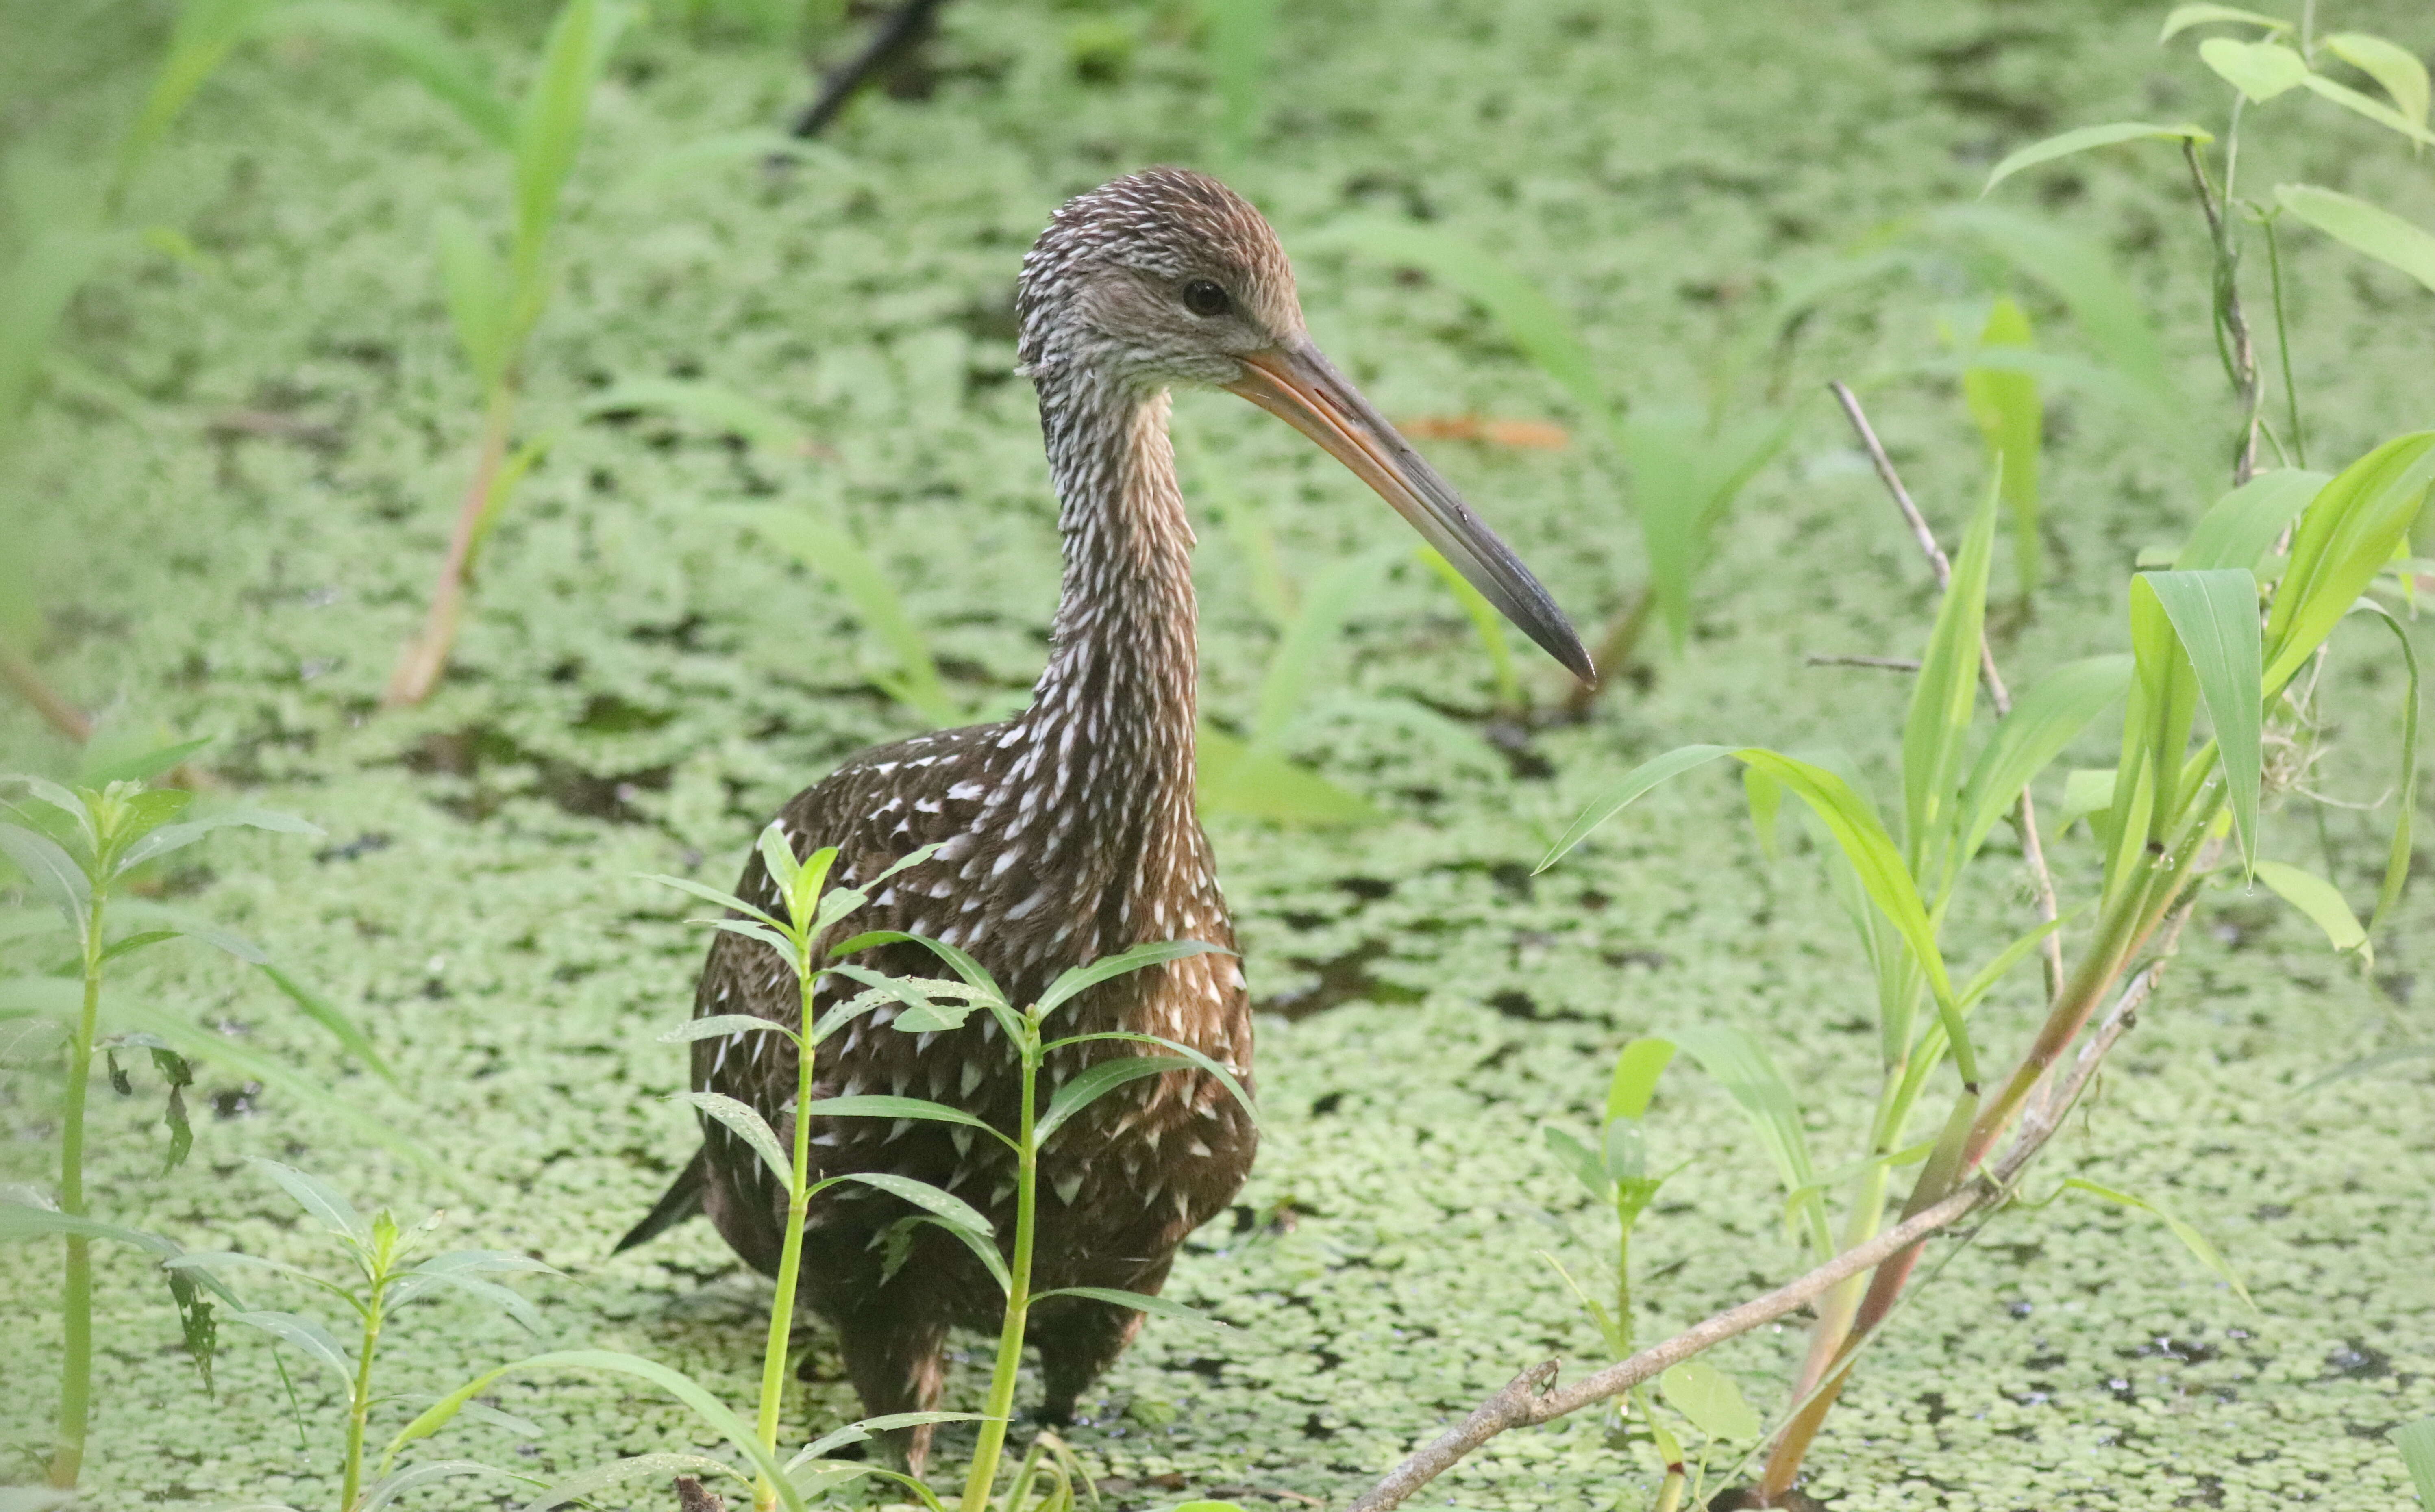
(1168, 277)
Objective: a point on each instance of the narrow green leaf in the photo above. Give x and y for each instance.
(1486, 623)
(719, 1025)
(423, 1283)
(834, 554)
(761, 933)
(704, 1405)
(56, 878)
(1637, 1071)
(141, 767)
(327, 1014)
(2416, 1442)
(205, 33)
(2196, 1242)
(744, 1125)
(1294, 666)
(2317, 898)
(307, 1336)
(1765, 798)
(959, 961)
(1708, 1397)
(1082, 978)
(2260, 70)
(855, 1433)
(984, 1250)
(1137, 1301)
(2375, 110)
(481, 308)
(2084, 793)
(2241, 527)
(170, 837)
(1741, 1065)
(2395, 69)
(2010, 417)
(2364, 227)
(327, 1205)
(778, 856)
(2215, 612)
(1687, 468)
(1944, 696)
(1219, 1074)
(1586, 1164)
(2107, 308)
(2010, 956)
(2182, 18)
(712, 895)
(549, 124)
(1616, 799)
(2044, 720)
(1096, 1081)
(955, 1210)
(2345, 537)
(1543, 332)
(2082, 139)
(454, 74)
(913, 1107)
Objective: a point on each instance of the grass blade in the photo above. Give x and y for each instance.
(2005, 403)
(2348, 533)
(2241, 527)
(1623, 794)
(2044, 720)
(321, 1012)
(2317, 898)
(836, 556)
(453, 75)
(2194, 1241)
(2107, 309)
(1634, 1082)
(2370, 229)
(2084, 138)
(2215, 612)
(1741, 1065)
(1943, 696)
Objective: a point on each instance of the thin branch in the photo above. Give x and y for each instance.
(1530, 1399)
(1883, 663)
(2025, 813)
(898, 33)
(26, 683)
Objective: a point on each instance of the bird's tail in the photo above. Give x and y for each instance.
(682, 1200)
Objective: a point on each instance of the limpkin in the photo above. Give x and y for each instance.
(1065, 834)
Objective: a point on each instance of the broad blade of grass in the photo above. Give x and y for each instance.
(2215, 612)
(1741, 1065)
(2084, 138)
(549, 124)
(2364, 227)
(1529, 319)
(481, 308)
(2010, 417)
(1686, 471)
(1944, 696)
(2241, 527)
(2317, 898)
(455, 75)
(2044, 720)
(2344, 539)
(1634, 1082)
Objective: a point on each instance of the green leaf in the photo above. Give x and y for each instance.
(481, 308)
(979, 1244)
(1944, 696)
(1687, 466)
(207, 32)
(2371, 229)
(710, 406)
(1082, 978)
(1637, 1071)
(2109, 312)
(719, 1025)
(2401, 854)
(423, 1282)
(55, 877)
(2084, 138)
(321, 1012)
(1623, 794)
(837, 556)
(1587, 1165)
(2260, 70)
(2005, 405)
(1545, 333)
(2241, 527)
(855, 1433)
(142, 768)
(2196, 1242)
(2184, 17)
(2044, 720)
(1219, 1074)
(2317, 898)
(712, 895)
(2375, 110)
(1294, 666)
(2344, 539)
(960, 963)
(1096, 1081)
(1741, 1065)
(2084, 793)
(170, 837)
(957, 1213)
(868, 1106)
(2416, 1442)
(744, 1125)
(1230, 778)
(778, 856)
(307, 1335)
(705, 1405)
(1137, 1301)
(1708, 1397)
(2394, 68)
(324, 1202)
(2215, 612)
(660, 1467)
(549, 124)
(1486, 623)
(453, 75)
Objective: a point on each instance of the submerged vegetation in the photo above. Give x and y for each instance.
(2134, 1012)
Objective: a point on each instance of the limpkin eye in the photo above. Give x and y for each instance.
(1204, 298)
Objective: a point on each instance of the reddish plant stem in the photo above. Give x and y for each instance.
(422, 659)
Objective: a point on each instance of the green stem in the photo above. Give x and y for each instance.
(359, 1406)
(76, 1367)
(1018, 1296)
(790, 1254)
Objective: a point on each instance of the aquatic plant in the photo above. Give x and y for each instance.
(78, 850)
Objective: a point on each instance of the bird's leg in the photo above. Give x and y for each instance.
(1077, 1340)
(896, 1357)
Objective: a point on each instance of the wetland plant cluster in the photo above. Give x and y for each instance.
(2227, 640)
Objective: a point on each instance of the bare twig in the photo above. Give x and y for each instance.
(57, 712)
(1883, 663)
(1532, 1398)
(899, 32)
(2025, 813)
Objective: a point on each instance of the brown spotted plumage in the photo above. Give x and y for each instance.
(1065, 834)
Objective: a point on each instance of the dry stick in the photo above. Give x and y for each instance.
(2025, 816)
(1528, 1400)
(425, 657)
(1883, 663)
(28, 684)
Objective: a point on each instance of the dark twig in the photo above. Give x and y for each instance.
(899, 32)
(2025, 816)
(1883, 663)
(1530, 1398)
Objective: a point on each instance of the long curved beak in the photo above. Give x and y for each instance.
(1302, 387)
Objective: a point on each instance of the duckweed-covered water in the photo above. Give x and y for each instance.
(236, 486)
